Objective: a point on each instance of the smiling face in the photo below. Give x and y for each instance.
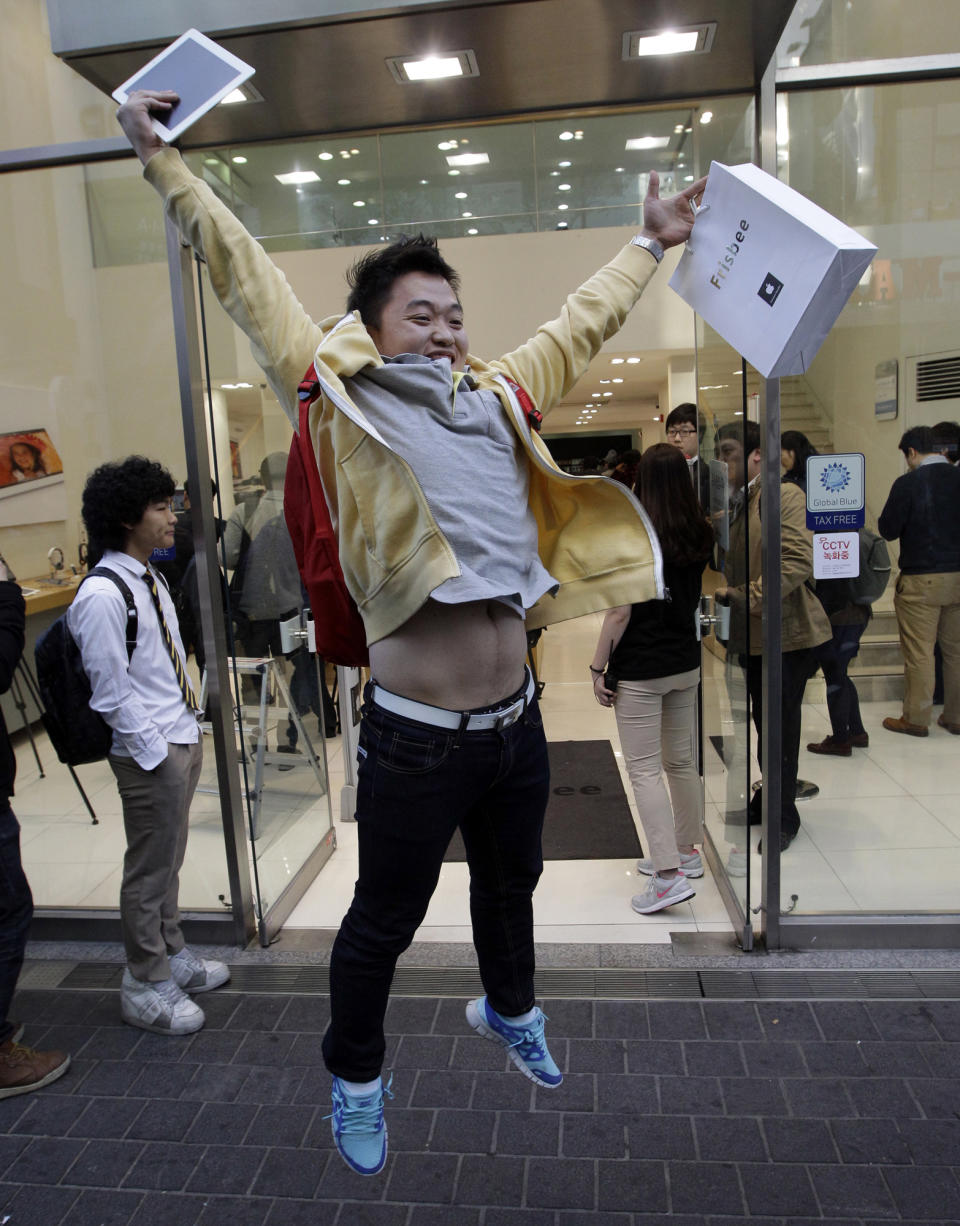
(422, 315)
(23, 456)
(154, 530)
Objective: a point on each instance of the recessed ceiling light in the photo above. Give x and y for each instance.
(564, 164)
(459, 195)
(298, 176)
(466, 214)
(358, 204)
(561, 225)
(354, 152)
(413, 69)
(633, 361)
(604, 380)
(239, 160)
(706, 116)
(424, 182)
(344, 182)
(578, 135)
(616, 361)
(565, 136)
(616, 380)
(563, 207)
(608, 393)
(647, 142)
(373, 221)
(618, 170)
(678, 128)
(680, 40)
(468, 159)
(453, 172)
(325, 156)
(473, 231)
(688, 178)
(563, 187)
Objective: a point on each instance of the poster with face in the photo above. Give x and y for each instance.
(27, 457)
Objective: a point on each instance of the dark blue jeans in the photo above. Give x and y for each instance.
(16, 911)
(843, 701)
(416, 785)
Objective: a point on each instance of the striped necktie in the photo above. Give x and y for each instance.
(182, 680)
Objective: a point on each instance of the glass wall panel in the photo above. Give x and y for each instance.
(884, 832)
(87, 366)
(839, 31)
(507, 178)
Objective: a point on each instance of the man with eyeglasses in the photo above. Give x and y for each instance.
(684, 432)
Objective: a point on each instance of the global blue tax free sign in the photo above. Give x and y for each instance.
(835, 492)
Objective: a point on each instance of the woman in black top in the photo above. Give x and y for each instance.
(647, 666)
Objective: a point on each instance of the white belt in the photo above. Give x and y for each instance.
(440, 717)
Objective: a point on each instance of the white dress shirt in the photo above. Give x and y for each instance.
(141, 701)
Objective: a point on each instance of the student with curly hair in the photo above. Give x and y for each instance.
(147, 700)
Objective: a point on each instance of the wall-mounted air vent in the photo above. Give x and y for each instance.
(938, 379)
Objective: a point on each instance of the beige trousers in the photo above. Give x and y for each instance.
(657, 721)
(928, 609)
(156, 812)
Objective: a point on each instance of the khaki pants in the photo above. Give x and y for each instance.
(928, 609)
(156, 811)
(657, 722)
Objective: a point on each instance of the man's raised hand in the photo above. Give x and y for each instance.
(135, 115)
(670, 221)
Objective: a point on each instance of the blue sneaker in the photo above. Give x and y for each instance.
(359, 1131)
(526, 1045)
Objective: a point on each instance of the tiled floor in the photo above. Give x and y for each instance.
(884, 833)
(693, 1112)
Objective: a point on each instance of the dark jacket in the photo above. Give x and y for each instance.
(12, 621)
(660, 639)
(923, 510)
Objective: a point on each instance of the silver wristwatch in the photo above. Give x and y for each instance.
(648, 244)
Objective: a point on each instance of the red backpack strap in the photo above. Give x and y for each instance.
(341, 638)
(534, 416)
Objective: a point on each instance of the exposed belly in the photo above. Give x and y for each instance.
(455, 656)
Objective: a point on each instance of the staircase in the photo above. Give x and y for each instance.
(877, 672)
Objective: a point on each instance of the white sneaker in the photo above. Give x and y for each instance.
(194, 974)
(690, 866)
(737, 863)
(161, 1007)
(661, 893)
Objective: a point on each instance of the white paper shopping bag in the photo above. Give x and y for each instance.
(768, 269)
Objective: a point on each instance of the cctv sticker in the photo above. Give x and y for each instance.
(836, 555)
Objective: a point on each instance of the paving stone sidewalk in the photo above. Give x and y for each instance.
(691, 1112)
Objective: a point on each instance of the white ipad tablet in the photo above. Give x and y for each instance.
(200, 71)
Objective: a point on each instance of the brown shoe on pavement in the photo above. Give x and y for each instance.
(830, 745)
(859, 740)
(954, 728)
(22, 1069)
(899, 724)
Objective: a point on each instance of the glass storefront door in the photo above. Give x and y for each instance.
(281, 707)
(728, 739)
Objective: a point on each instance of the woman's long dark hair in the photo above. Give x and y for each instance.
(797, 442)
(666, 491)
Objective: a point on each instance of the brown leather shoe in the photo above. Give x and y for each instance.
(954, 728)
(22, 1069)
(859, 740)
(830, 745)
(899, 724)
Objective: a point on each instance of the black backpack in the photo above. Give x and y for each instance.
(78, 733)
(874, 575)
